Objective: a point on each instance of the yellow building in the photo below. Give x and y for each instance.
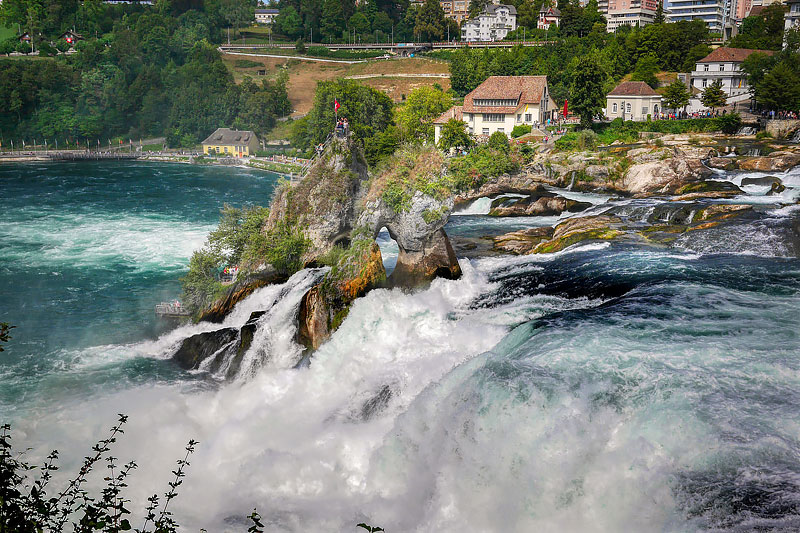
(233, 143)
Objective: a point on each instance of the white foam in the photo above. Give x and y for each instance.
(99, 240)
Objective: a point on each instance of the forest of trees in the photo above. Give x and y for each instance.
(150, 71)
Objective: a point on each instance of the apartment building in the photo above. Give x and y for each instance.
(493, 24)
(630, 13)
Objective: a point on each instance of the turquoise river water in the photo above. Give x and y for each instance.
(604, 388)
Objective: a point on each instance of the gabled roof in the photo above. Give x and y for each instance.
(452, 113)
(229, 136)
(491, 8)
(553, 11)
(732, 55)
(633, 88)
(269, 11)
(524, 89)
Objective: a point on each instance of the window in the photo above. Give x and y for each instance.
(501, 130)
(493, 117)
(629, 108)
(722, 68)
(528, 117)
(614, 107)
(519, 117)
(644, 110)
(705, 68)
(485, 131)
(705, 83)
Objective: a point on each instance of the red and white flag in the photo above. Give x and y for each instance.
(336, 105)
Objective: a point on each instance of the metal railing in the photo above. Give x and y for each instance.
(171, 309)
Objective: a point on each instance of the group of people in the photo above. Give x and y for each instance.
(342, 127)
(780, 115)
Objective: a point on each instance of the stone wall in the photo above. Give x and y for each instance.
(782, 129)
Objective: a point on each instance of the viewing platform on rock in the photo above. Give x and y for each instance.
(171, 310)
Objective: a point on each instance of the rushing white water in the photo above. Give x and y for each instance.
(608, 387)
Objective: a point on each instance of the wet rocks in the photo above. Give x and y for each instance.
(522, 242)
(722, 163)
(766, 181)
(775, 162)
(541, 206)
(197, 348)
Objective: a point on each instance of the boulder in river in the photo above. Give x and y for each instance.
(522, 242)
(541, 206)
(775, 162)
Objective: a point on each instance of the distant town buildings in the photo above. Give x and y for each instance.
(266, 16)
(493, 24)
(500, 103)
(632, 100)
(724, 64)
(233, 143)
(715, 13)
(548, 16)
(457, 10)
(631, 13)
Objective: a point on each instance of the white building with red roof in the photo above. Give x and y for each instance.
(502, 102)
(632, 100)
(725, 64)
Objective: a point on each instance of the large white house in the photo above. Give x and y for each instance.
(632, 100)
(500, 103)
(792, 16)
(725, 64)
(493, 24)
(266, 16)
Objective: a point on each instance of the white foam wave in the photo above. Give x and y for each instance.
(99, 240)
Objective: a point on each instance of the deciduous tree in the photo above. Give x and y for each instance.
(713, 96)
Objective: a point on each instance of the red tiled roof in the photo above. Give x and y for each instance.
(452, 113)
(633, 88)
(734, 55)
(524, 89)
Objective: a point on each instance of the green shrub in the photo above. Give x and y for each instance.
(730, 123)
(520, 130)
(300, 46)
(587, 140)
(763, 135)
(498, 141)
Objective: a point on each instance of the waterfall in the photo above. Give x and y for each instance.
(746, 130)
(260, 332)
(796, 137)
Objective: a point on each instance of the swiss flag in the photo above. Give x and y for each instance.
(336, 105)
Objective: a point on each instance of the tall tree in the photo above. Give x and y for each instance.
(587, 96)
(676, 95)
(332, 23)
(713, 96)
(780, 88)
(660, 19)
(645, 70)
(430, 23)
(476, 7)
(423, 105)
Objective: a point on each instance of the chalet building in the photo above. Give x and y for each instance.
(493, 24)
(725, 64)
(548, 16)
(500, 103)
(233, 143)
(70, 37)
(632, 100)
(266, 16)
